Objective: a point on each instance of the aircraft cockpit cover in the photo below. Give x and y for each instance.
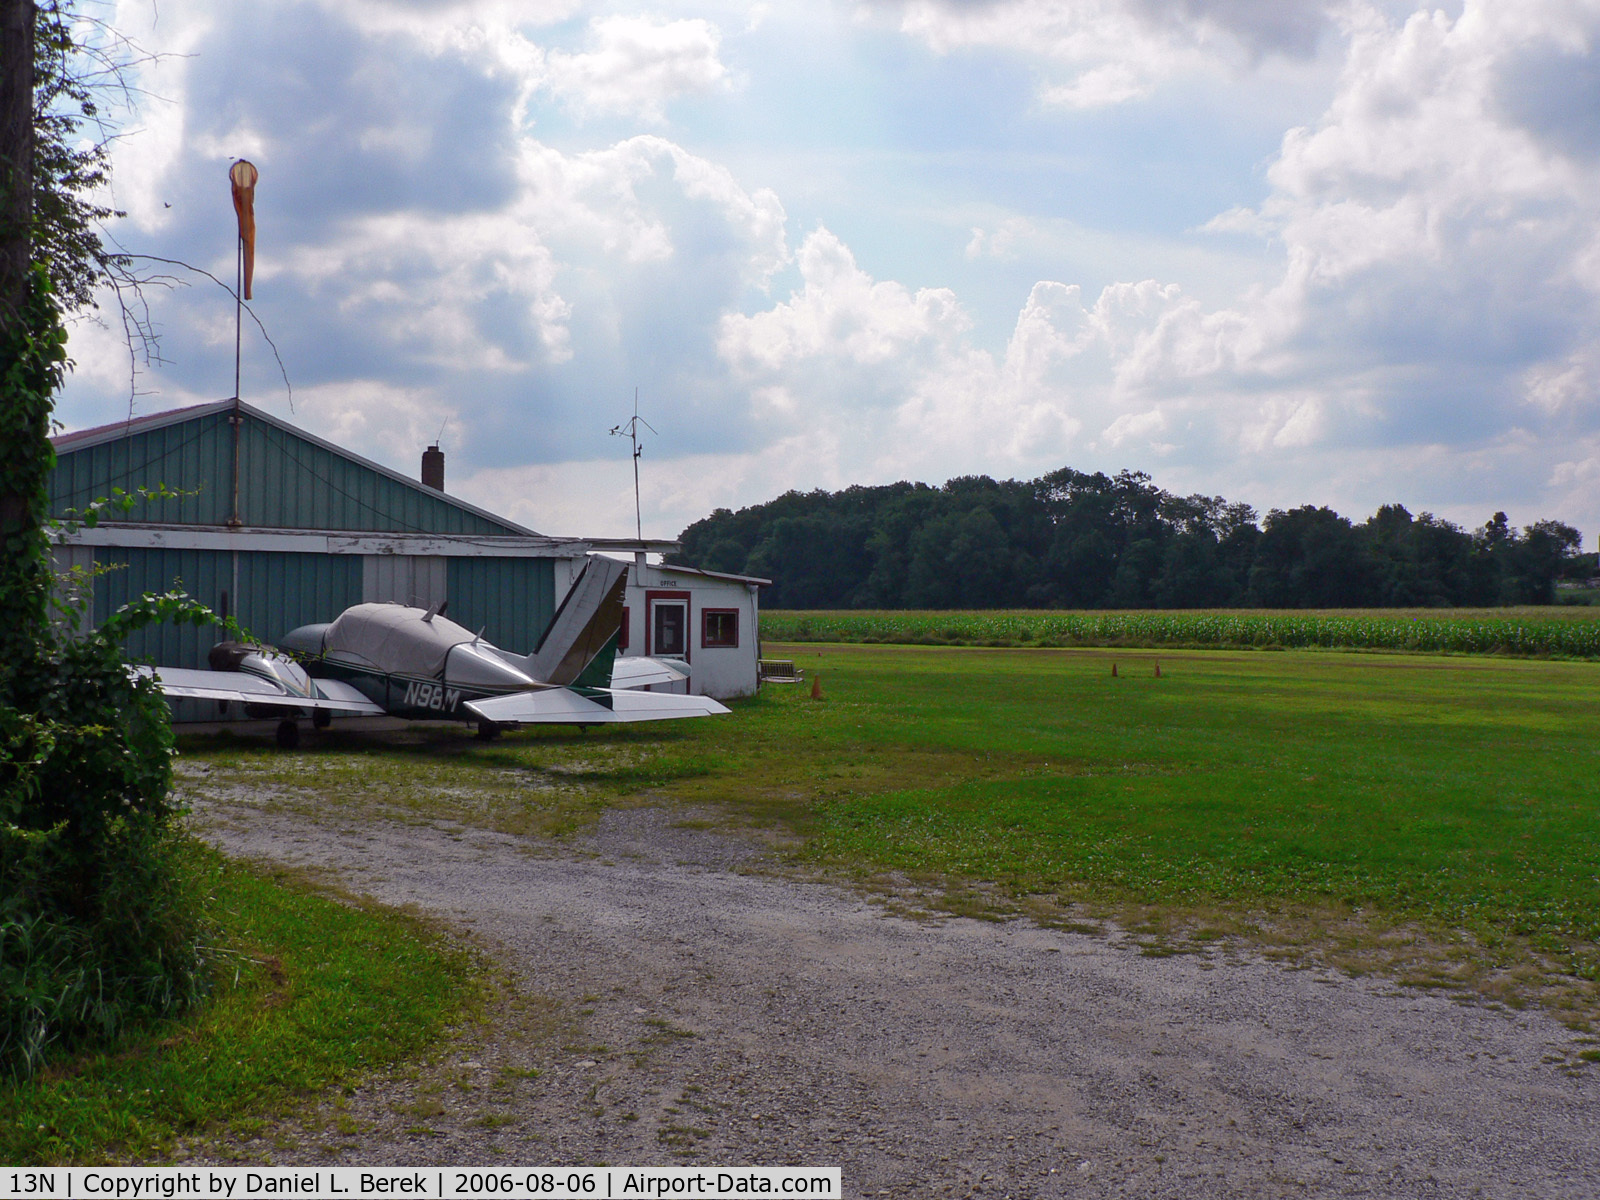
(394, 636)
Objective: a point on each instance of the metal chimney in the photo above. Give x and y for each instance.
(433, 468)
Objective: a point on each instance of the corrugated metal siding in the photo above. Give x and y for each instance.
(286, 482)
(280, 592)
(205, 575)
(68, 587)
(511, 599)
(195, 454)
(419, 579)
(275, 593)
(290, 483)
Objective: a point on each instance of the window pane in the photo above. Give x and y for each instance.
(720, 628)
(669, 631)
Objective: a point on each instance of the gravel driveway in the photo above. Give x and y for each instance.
(721, 1013)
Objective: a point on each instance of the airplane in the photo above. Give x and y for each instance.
(402, 661)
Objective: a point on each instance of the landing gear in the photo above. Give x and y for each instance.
(488, 731)
(288, 734)
(321, 718)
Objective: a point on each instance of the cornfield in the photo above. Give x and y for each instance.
(1546, 633)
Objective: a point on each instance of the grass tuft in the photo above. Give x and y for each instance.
(313, 993)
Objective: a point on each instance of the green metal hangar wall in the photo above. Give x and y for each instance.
(283, 529)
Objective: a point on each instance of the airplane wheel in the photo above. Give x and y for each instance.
(288, 735)
(321, 718)
(488, 731)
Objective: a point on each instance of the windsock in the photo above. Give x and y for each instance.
(243, 176)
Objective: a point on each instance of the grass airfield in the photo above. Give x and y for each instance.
(1433, 818)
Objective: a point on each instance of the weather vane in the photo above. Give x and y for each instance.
(630, 429)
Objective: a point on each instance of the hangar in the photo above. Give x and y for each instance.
(279, 528)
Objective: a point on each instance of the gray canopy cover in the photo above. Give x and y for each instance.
(394, 638)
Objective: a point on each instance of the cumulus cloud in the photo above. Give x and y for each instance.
(893, 372)
(1439, 246)
(1424, 225)
(1113, 51)
(635, 65)
(630, 66)
(392, 422)
(1004, 243)
(1438, 289)
(442, 237)
(841, 312)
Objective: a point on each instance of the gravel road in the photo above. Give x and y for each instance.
(721, 1013)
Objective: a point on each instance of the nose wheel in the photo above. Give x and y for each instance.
(288, 734)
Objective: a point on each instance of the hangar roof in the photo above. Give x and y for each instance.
(755, 579)
(288, 478)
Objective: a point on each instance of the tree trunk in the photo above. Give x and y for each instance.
(16, 158)
(32, 348)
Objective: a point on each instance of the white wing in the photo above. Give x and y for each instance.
(187, 684)
(638, 671)
(561, 706)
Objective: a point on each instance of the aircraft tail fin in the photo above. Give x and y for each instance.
(579, 645)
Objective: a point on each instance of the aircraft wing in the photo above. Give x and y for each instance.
(629, 705)
(188, 684)
(562, 706)
(637, 671)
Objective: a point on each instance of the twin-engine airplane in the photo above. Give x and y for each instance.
(408, 662)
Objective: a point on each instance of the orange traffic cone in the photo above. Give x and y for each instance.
(1113, 670)
(1158, 670)
(816, 687)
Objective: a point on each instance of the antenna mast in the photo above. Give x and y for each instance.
(631, 429)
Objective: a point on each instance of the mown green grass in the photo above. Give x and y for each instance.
(542, 782)
(311, 993)
(1438, 806)
(1456, 795)
(1567, 631)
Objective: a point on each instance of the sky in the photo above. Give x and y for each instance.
(1283, 252)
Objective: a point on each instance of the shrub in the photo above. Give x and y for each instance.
(100, 924)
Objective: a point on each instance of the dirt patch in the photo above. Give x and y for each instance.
(674, 999)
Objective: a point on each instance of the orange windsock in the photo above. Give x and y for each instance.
(243, 176)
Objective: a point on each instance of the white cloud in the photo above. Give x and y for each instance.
(893, 374)
(423, 281)
(1134, 427)
(1438, 291)
(635, 65)
(841, 313)
(391, 424)
(1423, 311)
(1005, 243)
(441, 26)
(453, 266)
(631, 66)
(594, 497)
(1114, 51)
(1565, 385)
(1433, 245)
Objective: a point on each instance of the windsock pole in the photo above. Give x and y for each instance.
(242, 177)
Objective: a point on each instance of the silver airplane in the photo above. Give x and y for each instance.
(409, 662)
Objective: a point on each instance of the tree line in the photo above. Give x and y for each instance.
(1075, 540)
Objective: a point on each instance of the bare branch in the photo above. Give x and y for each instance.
(174, 262)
